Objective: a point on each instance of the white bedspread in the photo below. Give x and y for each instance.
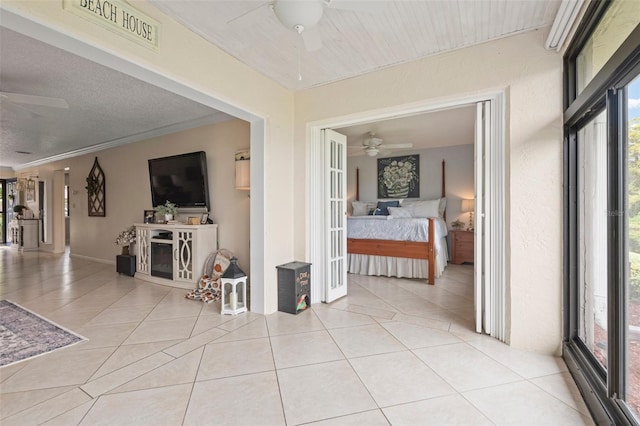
(391, 228)
(399, 229)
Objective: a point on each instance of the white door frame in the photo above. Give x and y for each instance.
(15, 21)
(316, 167)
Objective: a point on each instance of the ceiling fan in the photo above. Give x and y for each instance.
(372, 146)
(24, 102)
(302, 16)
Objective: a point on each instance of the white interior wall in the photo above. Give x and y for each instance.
(459, 176)
(128, 191)
(532, 79)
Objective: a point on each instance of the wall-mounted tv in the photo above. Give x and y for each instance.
(181, 179)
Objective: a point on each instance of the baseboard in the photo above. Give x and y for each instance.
(94, 259)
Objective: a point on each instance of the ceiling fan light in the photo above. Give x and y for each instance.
(371, 152)
(372, 141)
(293, 13)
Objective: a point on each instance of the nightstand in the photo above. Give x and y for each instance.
(461, 246)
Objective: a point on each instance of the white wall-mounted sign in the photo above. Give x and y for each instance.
(119, 17)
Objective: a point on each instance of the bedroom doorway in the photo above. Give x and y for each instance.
(490, 268)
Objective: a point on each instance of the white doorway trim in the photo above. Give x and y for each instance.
(13, 20)
(316, 167)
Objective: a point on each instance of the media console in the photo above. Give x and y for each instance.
(174, 254)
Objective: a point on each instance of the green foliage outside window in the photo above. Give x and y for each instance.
(633, 176)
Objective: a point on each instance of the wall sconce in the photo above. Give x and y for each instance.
(468, 206)
(243, 170)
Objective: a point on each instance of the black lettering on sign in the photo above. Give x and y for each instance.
(135, 25)
(105, 9)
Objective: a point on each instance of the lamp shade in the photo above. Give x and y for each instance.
(243, 174)
(468, 205)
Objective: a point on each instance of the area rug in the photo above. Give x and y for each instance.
(24, 334)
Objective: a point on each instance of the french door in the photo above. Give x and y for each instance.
(335, 151)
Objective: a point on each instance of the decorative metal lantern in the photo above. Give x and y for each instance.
(234, 289)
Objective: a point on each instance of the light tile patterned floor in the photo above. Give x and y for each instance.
(393, 352)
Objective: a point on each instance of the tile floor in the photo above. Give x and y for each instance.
(392, 352)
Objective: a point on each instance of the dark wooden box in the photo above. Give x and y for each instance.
(126, 264)
(294, 287)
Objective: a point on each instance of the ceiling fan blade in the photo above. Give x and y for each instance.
(312, 40)
(18, 98)
(369, 6)
(397, 145)
(18, 109)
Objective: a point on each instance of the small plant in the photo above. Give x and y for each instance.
(457, 224)
(19, 207)
(168, 208)
(126, 237)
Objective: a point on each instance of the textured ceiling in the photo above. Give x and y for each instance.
(104, 105)
(355, 42)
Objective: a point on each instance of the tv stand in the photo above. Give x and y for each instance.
(174, 254)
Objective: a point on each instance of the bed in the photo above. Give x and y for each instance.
(413, 247)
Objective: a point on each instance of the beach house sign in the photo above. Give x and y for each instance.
(119, 17)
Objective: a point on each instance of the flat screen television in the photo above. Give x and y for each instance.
(180, 179)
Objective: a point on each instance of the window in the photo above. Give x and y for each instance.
(592, 222)
(66, 201)
(613, 28)
(632, 355)
(602, 210)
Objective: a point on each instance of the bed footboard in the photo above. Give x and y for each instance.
(404, 249)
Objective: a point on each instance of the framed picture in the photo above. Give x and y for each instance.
(31, 191)
(149, 216)
(204, 218)
(399, 177)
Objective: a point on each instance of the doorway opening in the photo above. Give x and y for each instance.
(490, 294)
(40, 31)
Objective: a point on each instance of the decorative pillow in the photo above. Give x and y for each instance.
(209, 286)
(442, 204)
(400, 211)
(426, 208)
(376, 212)
(359, 208)
(384, 205)
(362, 208)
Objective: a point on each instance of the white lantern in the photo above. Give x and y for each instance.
(234, 289)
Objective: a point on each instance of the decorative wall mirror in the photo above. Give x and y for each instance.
(96, 191)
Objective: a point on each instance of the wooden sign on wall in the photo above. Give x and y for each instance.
(96, 194)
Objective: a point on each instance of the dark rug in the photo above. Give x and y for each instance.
(24, 334)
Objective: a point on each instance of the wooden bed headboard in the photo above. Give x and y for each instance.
(443, 192)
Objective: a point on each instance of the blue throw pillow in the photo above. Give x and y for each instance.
(384, 206)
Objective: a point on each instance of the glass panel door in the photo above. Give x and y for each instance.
(592, 240)
(633, 245)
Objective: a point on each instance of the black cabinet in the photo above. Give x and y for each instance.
(126, 264)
